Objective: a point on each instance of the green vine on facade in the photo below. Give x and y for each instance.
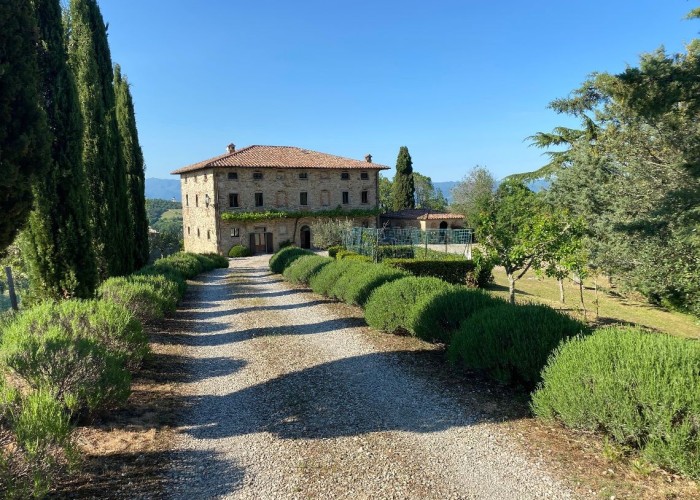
(281, 214)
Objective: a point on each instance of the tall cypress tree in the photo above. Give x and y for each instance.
(24, 139)
(133, 160)
(57, 245)
(91, 61)
(402, 189)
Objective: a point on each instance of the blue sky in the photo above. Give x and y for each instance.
(460, 83)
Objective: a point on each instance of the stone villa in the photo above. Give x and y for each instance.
(259, 196)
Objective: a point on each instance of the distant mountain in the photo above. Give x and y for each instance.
(163, 189)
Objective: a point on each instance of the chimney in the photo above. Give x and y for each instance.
(231, 148)
(368, 158)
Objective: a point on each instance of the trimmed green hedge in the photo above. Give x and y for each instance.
(323, 281)
(332, 251)
(642, 389)
(512, 342)
(452, 271)
(437, 316)
(347, 254)
(147, 297)
(239, 251)
(302, 269)
(284, 257)
(353, 269)
(359, 287)
(389, 306)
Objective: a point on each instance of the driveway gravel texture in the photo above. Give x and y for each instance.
(285, 395)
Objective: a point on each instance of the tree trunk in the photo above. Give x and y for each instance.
(11, 287)
(560, 281)
(511, 288)
(583, 305)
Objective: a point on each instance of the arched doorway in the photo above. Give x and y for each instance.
(305, 236)
(443, 231)
(443, 225)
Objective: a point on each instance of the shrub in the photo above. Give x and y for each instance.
(354, 268)
(388, 307)
(326, 278)
(347, 254)
(171, 275)
(184, 263)
(482, 274)
(240, 251)
(512, 343)
(332, 251)
(642, 389)
(79, 350)
(40, 442)
(394, 252)
(147, 297)
(284, 257)
(437, 316)
(286, 243)
(361, 285)
(302, 269)
(217, 261)
(452, 271)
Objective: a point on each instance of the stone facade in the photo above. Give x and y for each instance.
(209, 192)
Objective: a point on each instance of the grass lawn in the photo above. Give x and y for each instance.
(611, 307)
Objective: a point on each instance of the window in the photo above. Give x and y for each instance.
(257, 176)
(205, 177)
(196, 200)
(187, 200)
(258, 199)
(197, 232)
(283, 229)
(303, 198)
(235, 232)
(345, 176)
(364, 197)
(346, 197)
(280, 175)
(303, 176)
(325, 175)
(185, 179)
(233, 176)
(208, 234)
(188, 230)
(233, 200)
(207, 199)
(325, 198)
(281, 199)
(364, 176)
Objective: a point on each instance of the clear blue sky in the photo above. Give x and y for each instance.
(459, 82)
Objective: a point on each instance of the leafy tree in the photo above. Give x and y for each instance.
(24, 140)
(633, 174)
(385, 189)
(473, 194)
(155, 208)
(402, 189)
(135, 175)
(330, 232)
(57, 245)
(426, 194)
(90, 59)
(515, 230)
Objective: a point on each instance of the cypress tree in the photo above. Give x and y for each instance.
(402, 189)
(57, 245)
(133, 160)
(24, 139)
(108, 213)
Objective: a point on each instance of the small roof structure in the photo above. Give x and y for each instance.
(280, 157)
(421, 214)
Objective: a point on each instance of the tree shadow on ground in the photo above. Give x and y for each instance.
(166, 368)
(140, 475)
(348, 397)
(218, 339)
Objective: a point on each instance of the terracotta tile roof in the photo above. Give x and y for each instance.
(279, 157)
(421, 214)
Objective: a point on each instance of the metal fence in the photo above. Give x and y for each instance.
(379, 243)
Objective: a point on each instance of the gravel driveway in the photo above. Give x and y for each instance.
(286, 397)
